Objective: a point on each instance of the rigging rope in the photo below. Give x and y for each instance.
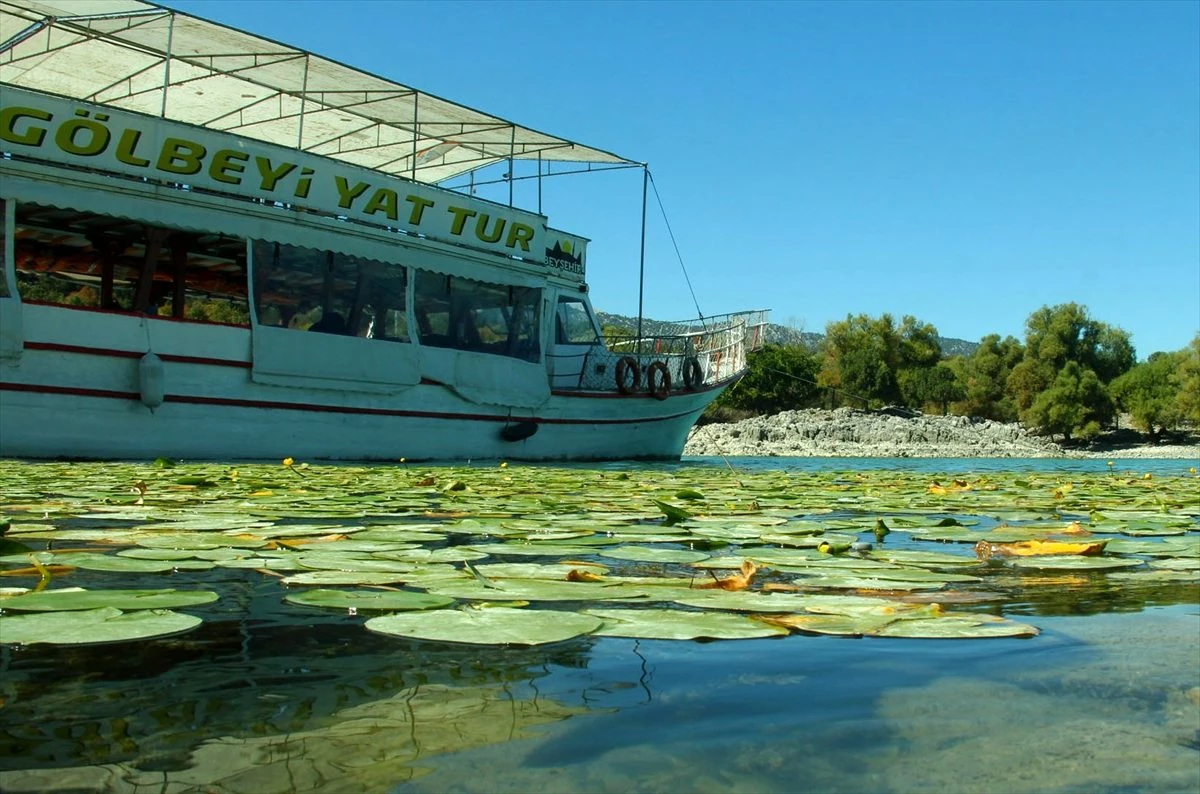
(678, 256)
(865, 401)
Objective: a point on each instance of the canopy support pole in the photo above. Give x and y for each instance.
(416, 126)
(642, 258)
(303, 105)
(512, 145)
(167, 65)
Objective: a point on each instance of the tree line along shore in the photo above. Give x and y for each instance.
(1073, 384)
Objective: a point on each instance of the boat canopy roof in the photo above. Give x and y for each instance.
(147, 58)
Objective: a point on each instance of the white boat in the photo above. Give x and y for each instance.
(217, 246)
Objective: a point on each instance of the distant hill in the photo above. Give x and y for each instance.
(776, 334)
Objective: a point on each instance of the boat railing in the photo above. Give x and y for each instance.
(696, 353)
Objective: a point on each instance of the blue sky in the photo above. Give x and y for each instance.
(966, 163)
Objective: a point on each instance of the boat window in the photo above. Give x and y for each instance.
(573, 323)
(3, 248)
(473, 315)
(326, 291)
(74, 258)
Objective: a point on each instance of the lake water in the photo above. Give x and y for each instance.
(264, 697)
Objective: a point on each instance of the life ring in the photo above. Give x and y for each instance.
(693, 376)
(662, 388)
(628, 366)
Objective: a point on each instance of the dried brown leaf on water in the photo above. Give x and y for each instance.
(738, 581)
(576, 575)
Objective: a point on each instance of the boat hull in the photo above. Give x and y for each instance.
(63, 395)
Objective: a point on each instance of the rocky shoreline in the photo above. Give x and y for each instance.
(847, 432)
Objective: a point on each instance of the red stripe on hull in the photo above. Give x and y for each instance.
(113, 353)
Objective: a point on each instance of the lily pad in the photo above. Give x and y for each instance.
(533, 570)
(111, 562)
(653, 554)
(748, 601)
(74, 598)
(89, 626)
(674, 624)
(1073, 563)
(368, 599)
(535, 590)
(345, 577)
(490, 626)
(864, 582)
(914, 623)
(957, 626)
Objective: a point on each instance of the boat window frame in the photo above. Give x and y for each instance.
(562, 334)
(464, 310)
(337, 311)
(8, 270)
(167, 248)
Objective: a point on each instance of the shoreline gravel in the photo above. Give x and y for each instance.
(848, 432)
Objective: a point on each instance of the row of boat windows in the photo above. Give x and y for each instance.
(84, 259)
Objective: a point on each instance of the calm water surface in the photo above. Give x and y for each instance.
(271, 698)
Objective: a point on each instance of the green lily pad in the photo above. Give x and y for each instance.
(839, 625)
(674, 624)
(533, 570)
(864, 582)
(347, 561)
(346, 577)
(915, 622)
(1177, 564)
(747, 601)
(1156, 576)
(535, 590)
(1153, 548)
(540, 549)
(368, 599)
(934, 559)
(673, 514)
(111, 562)
(448, 554)
(74, 598)
(652, 554)
(1073, 562)
(265, 563)
(84, 627)
(197, 541)
(491, 626)
(957, 626)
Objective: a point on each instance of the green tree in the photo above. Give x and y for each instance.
(616, 333)
(1186, 379)
(1058, 336)
(1149, 394)
(937, 385)
(778, 378)
(872, 360)
(919, 347)
(984, 377)
(1075, 405)
(860, 359)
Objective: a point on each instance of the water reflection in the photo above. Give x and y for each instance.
(263, 704)
(266, 696)
(257, 699)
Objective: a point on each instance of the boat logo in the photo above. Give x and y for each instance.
(562, 257)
